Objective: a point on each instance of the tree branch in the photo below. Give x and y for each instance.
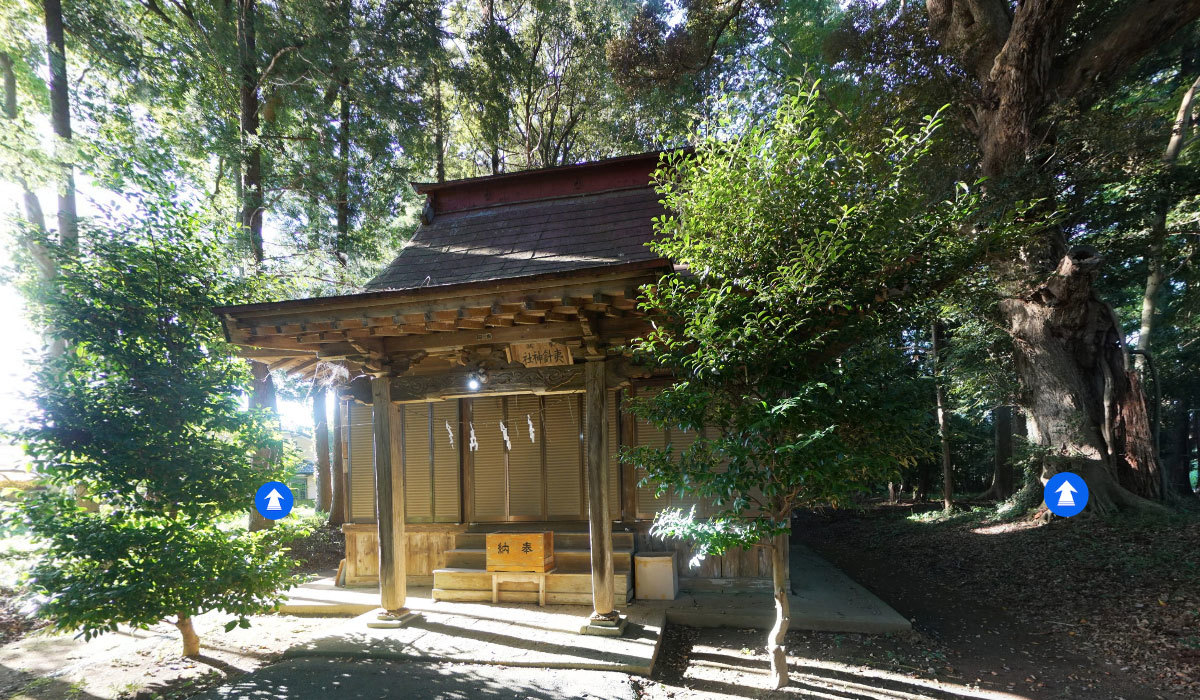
(1142, 26)
(974, 30)
(262, 79)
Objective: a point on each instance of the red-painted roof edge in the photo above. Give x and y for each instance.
(428, 187)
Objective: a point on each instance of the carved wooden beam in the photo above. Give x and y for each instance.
(453, 384)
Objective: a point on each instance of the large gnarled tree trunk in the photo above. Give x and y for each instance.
(1084, 404)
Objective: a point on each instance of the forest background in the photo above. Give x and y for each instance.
(302, 122)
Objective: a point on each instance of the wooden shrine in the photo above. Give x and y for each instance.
(482, 378)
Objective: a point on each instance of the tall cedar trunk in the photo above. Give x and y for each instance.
(342, 191)
(439, 126)
(252, 190)
(60, 117)
(1196, 442)
(924, 479)
(1002, 468)
(262, 396)
(337, 508)
(191, 642)
(1178, 449)
(777, 639)
(943, 419)
(321, 445)
(1082, 401)
(342, 243)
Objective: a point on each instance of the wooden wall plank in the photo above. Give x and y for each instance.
(488, 461)
(564, 468)
(418, 463)
(447, 493)
(361, 464)
(525, 485)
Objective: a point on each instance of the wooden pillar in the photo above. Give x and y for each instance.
(599, 522)
(389, 500)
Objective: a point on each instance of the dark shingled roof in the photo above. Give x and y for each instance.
(527, 238)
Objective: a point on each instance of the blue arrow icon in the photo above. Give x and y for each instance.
(1065, 494)
(273, 500)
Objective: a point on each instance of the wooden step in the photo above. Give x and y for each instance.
(562, 540)
(507, 596)
(476, 582)
(567, 560)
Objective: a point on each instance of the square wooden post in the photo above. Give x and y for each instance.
(389, 507)
(604, 618)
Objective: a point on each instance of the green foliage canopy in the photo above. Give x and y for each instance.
(803, 252)
(143, 413)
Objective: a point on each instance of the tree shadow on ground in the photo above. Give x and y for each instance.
(305, 678)
(20, 684)
(717, 663)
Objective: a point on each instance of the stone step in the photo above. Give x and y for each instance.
(465, 579)
(567, 560)
(562, 540)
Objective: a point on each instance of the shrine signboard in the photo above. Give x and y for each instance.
(542, 354)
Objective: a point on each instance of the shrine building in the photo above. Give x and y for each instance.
(483, 384)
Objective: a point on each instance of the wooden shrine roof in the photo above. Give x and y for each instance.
(532, 222)
(555, 254)
(527, 238)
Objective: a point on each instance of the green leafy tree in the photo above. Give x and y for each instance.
(143, 411)
(803, 252)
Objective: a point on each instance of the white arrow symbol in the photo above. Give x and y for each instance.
(273, 500)
(1064, 494)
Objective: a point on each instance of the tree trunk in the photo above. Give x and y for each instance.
(1083, 400)
(892, 492)
(439, 127)
(1196, 443)
(943, 419)
(337, 509)
(10, 86)
(1002, 473)
(33, 206)
(191, 642)
(777, 639)
(1156, 275)
(1178, 448)
(342, 243)
(262, 396)
(252, 189)
(321, 445)
(60, 117)
(924, 479)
